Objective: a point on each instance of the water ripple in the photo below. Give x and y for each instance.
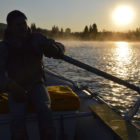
(120, 59)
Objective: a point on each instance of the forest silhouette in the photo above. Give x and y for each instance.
(89, 33)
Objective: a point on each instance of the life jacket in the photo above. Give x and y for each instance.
(25, 63)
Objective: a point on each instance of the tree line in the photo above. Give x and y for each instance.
(90, 32)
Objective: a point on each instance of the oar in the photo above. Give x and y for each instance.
(100, 73)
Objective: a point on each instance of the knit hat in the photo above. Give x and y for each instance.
(13, 15)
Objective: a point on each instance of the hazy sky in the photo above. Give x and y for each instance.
(74, 14)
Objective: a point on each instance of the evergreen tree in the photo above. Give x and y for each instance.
(94, 29)
(61, 30)
(90, 29)
(85, 34)
(55, 29)
(86, 29)
(33, 27)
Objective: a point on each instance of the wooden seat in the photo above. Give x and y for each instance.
(120, 127)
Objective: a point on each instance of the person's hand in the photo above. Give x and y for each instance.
(18, 92)
(61, 50)
(54, 49)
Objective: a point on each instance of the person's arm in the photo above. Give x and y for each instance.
(51, 48)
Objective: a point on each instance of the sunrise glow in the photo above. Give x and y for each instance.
(123, 15)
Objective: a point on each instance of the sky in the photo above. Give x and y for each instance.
(73, 14)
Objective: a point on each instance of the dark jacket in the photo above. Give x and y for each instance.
(24, 62)
(3, 58)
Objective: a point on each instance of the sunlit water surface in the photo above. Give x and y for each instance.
(121, 59)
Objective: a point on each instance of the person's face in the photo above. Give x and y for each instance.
(19, 27)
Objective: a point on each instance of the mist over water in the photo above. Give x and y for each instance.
(121, 59)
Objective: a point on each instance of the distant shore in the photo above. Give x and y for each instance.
(90, 33)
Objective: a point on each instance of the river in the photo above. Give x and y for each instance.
(121, 59)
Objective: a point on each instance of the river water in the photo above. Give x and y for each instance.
(121, 59)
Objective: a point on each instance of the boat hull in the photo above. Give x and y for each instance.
(78, 124)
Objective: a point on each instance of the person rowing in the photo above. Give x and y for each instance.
(22, 75)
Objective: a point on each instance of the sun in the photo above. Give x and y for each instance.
(123, 15)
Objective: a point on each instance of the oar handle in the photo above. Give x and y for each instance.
(100, 73)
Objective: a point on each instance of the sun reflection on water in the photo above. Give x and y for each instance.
(123, 59)
(123, 52)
